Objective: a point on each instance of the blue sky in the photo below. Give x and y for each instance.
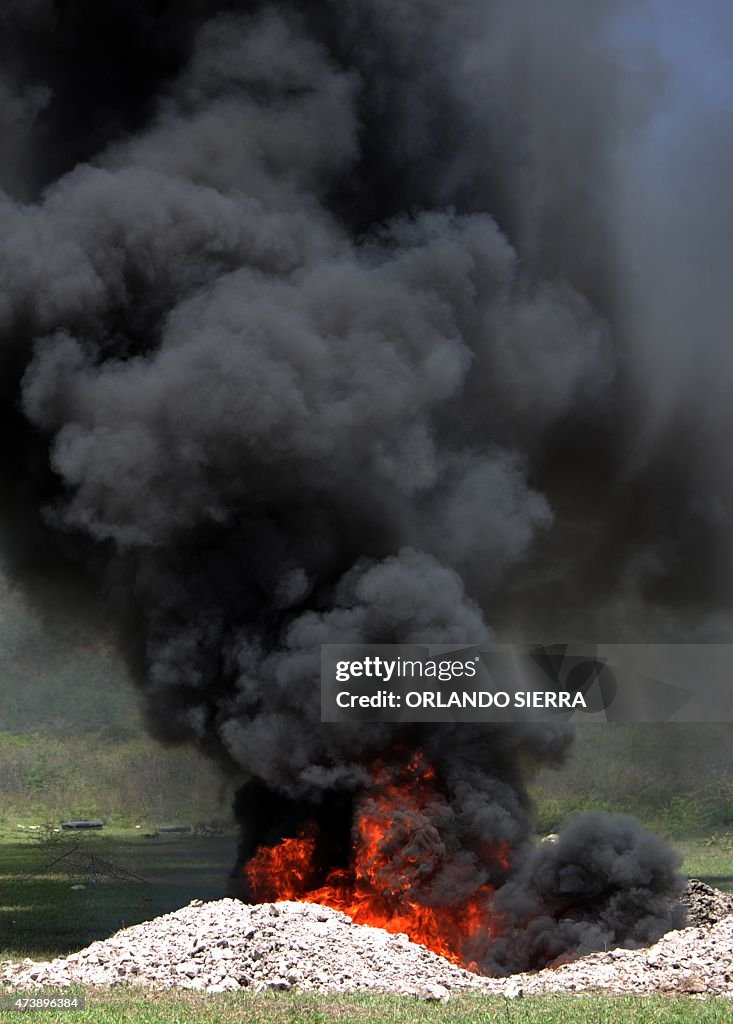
(696, 37)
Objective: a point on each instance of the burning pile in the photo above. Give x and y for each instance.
(227, 946)
(413, 860)
(396, 845)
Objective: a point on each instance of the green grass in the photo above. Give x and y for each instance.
(709, 860)
(117, 1005)
(677, 779)
(43, 916)
(122, 776)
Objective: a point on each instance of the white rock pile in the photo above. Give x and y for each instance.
(227, 946)
(692, 961)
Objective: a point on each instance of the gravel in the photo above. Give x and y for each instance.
(227, 946)
(705, 905)
(693, 961)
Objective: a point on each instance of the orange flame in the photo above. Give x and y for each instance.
(396, 848)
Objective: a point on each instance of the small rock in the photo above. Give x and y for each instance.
(434, 993)
(227, 984)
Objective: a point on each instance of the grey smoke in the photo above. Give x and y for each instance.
(346, 322)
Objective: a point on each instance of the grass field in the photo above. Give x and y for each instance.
(122, 776)
(709, 859)
(111, 1007)
(42, 916)
(677, 779)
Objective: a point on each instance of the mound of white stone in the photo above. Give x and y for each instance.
(692, 961)
(226, 945)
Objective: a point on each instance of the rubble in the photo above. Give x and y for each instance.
(692, 961)
(705, 905)
(226, 945)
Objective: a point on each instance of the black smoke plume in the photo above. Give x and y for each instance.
(338, 322)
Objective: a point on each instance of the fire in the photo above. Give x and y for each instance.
(282, 872)
(397, 850)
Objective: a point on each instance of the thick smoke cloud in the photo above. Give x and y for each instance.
(315, 329)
